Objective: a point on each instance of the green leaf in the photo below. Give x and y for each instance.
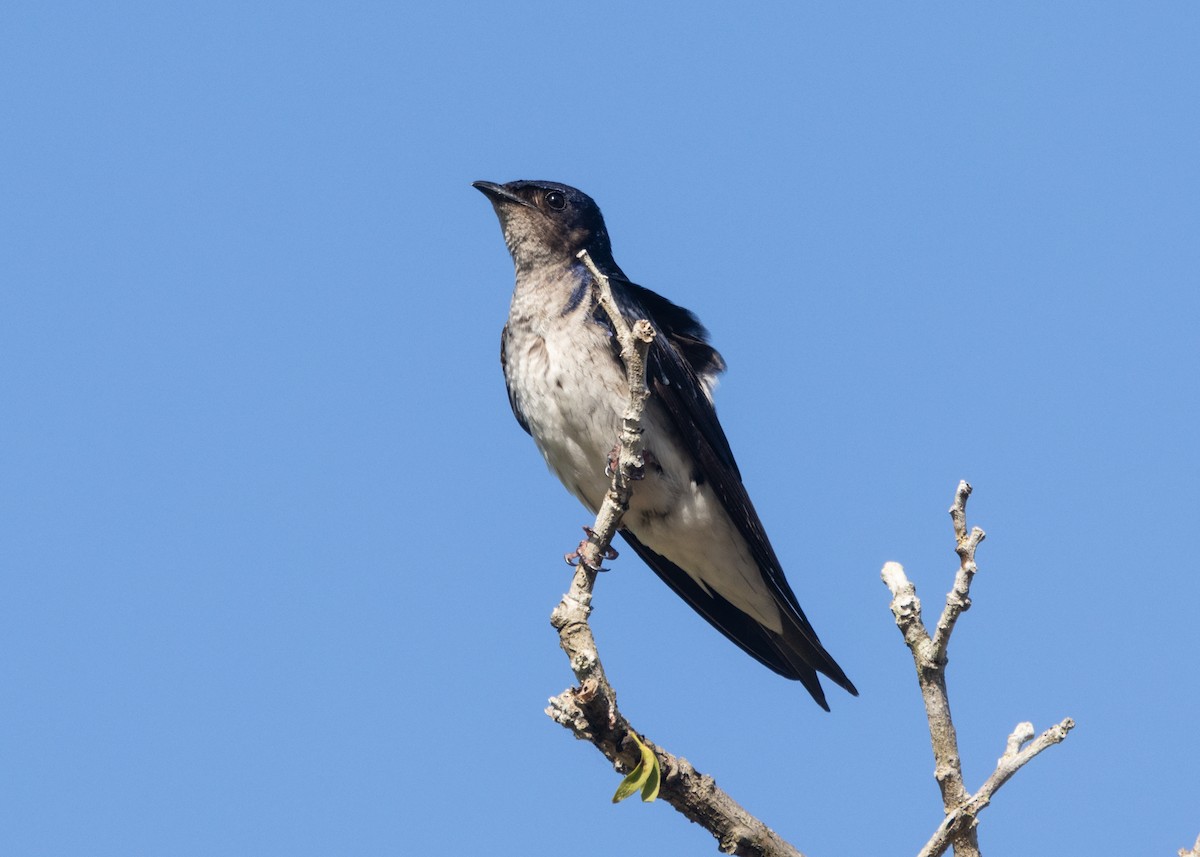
(645, 776)
(629, 785)
(650, 787)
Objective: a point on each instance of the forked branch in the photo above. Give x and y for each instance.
(962, 809)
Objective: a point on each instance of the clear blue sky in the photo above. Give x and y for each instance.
(278, 562)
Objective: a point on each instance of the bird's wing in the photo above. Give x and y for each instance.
(681, 368)
(512, 400)
(687, 334)
(765, 646)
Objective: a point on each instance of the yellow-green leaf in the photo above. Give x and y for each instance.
(650, 787)
(632, 782)
(645, 776)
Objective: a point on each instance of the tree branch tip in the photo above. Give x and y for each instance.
(958, 511)
(1021, 735)
(894, 577)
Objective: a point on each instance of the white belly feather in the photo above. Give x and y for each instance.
(572, 394)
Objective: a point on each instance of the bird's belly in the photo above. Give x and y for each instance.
(699, 536)
(572, 394)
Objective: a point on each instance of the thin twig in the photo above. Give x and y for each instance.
(958, 601)
(590, 710)
(967, 815)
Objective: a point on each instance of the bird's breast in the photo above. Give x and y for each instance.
(571, 391)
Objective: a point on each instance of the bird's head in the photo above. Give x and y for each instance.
(547, 222)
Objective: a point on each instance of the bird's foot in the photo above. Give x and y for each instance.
(636, 473)
(614, 458)
(577, 556)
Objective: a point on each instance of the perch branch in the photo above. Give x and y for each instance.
(590, 710)
(958, 828)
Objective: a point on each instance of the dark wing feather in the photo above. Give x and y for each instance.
(763, 645)
(682, 327)
(512, 402)
(674, 376)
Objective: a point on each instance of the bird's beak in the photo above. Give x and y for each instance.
(498, 193)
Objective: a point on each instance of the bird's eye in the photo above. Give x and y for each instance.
(556, 200)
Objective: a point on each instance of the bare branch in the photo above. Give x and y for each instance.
(931, 676)
(1014, 759)
(590, 710)
(958, 828)
(958, 601)
(967, 815)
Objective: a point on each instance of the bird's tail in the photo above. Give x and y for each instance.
(802, 651)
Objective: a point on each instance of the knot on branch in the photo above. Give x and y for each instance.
(582, 663)
(946, 769)
(906, 606)
(643, 330)
(570, 610)
(565, 711)
(960, 601)
(738, 840)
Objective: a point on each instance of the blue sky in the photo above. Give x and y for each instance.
(278, 562)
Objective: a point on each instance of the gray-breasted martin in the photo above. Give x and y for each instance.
(690, 518)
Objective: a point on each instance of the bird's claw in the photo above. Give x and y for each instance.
(614, 458)
(635, 473)
(576, 557)
(648, 460)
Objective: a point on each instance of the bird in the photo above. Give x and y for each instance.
(690, 518)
